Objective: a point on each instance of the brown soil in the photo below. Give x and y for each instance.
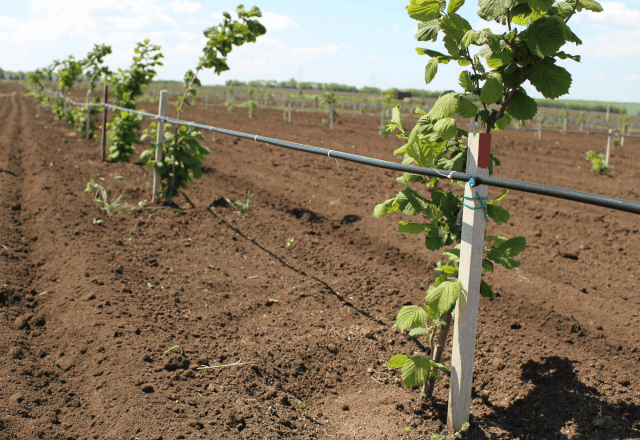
(89, 308)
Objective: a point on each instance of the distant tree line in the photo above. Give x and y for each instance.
(7, 74)
(575, 106)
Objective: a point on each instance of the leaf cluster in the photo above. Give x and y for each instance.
(598, 163)
(182, 156)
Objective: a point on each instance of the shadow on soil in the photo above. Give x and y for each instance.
(561, 406)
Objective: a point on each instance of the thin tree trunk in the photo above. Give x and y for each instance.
(438, 349)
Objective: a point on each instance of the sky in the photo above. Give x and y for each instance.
(348, 42)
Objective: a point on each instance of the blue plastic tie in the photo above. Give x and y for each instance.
(482, 206)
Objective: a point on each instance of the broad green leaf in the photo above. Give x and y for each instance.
(424, 10)
(521, 106)
(463, 62)
(447, 269)
(504, 253)
(503, 122)
(546, 36)
(415, 370)
(499, 59)
(467, 39)
(445, 106)
(564, 56)
(492, 89)
(454, 26)
(451, 45)
(497, 213)
(395, 117)
(428, 31)
(466, 82)
(431, 53)
(446, 128)
(492, 9)
(410, 317)
(413, 228)
(541, 6)
(485, 290)
(430, 70)
(590, 5)
(436, 239)
(398, 361)
(497, 240)
(453, 254)
(420, 331)
(454, 5)
(444, 297)
(550, 80)
(467, 109)
(411, 203)
(487, 265)
(433, 314)
(384, 208)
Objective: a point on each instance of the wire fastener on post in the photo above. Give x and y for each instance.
(336, 159)
(482, 206)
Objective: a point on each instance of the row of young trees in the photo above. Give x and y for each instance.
(183, 154)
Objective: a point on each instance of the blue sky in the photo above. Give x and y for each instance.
(349, 42)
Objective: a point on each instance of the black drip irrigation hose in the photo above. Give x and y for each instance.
(533, 188)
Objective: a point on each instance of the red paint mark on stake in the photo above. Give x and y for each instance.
(484, 151)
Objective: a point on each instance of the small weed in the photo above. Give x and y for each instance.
(169, 350)
(289, 242)
(209, 367)
(97, 221)
(102, 196)
(302, 404)
(407, 429)
(242, 207)
(151, 286)
(129, 238)
(325, 122)
(458, 434)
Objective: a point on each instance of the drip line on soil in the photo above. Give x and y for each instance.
(533, 188)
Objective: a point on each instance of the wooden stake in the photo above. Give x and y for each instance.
(159, 147)
(104, 123)
(88, 126)
(540, 129)
(354, 110)
(289, 114)
(606, 158)
(466, 313)
(564, 125)
(624, 130)
(581, 126)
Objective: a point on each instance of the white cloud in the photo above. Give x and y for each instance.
(618, 43)
(277, 22)
(633, 77)
(596, 77)
(185, 6)
(6, 22)
(379, 58)
(396, 28)
(614, 14)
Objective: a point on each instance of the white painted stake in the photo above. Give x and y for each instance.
(86, 131)
(159, 147)
(606, 158)
(466, 313)
(581, 126)
(540, 129)
(564, 125)
(624, 130)
(289, 116)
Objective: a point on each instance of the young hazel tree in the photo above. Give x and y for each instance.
(182, 153)
(492, 93)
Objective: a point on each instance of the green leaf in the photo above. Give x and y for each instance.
(436, 239)
(444, 297)
(424, 10)
(415, 370)
(411, 203)
(430, 70)
(467, 39)
(487, 265)
(420, 331)
(454, 5)
(384, 208)
(503, 122)
(550, 80)
(428, 31)
(485, 290)
(545, 36)
(521, 106)
(467, 109)
(446, 128)
(466, 82)
(431, 53)
(447, 269)
(410, 317)
(398, 361)
(541, 6)
(565, 56)
(492, 9)
(504, 253)
(590, 5)
(395, 117)
(453, 254)
(463, 62)
(499, 59)
(492, 89)
(497, 213)
(451, 45)
(454, 26)
(497, 240)
(445, 106)
(413, 228)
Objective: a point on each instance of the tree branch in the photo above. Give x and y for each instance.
(572, 12)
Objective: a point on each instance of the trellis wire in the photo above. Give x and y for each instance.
(533, 188)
